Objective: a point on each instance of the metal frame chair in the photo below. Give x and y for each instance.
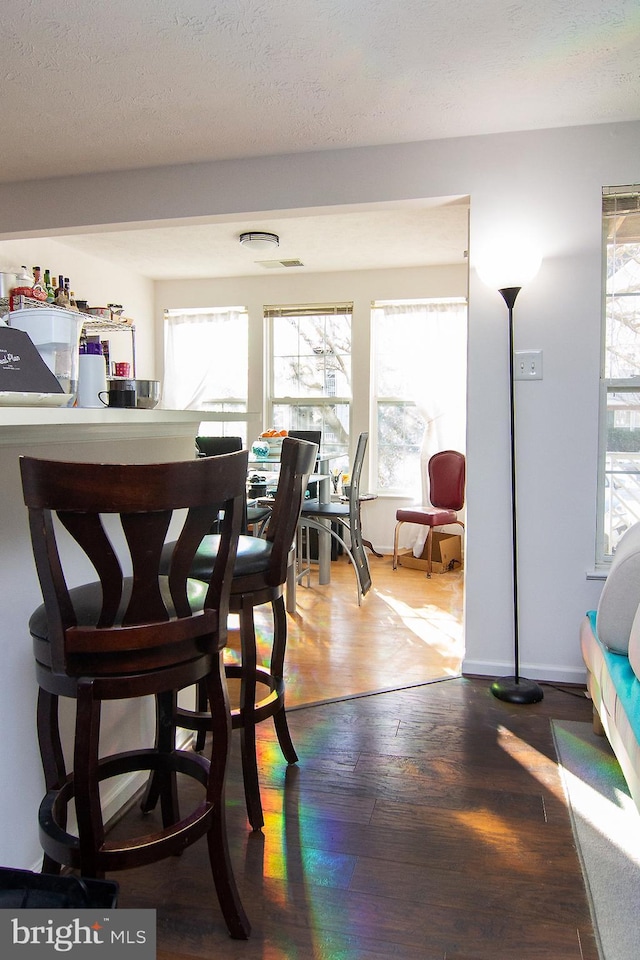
(346, 516)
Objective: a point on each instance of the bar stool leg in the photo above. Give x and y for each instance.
(162, 785)
(86, 784)
(219, 857)
(247, 715)
(52, 757)
(277, 669)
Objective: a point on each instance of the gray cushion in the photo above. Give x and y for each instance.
(620, 595)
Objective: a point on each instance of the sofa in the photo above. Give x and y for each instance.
(610, 642)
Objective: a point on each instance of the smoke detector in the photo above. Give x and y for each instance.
(259, 241)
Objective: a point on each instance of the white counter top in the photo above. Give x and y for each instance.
(49, 424)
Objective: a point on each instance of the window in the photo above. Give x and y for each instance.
(206, 361)
(619, 475)
(310, 375)
(420, 388)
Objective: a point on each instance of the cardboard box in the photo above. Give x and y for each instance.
(446, 554)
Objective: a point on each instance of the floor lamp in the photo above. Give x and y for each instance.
(515, 688)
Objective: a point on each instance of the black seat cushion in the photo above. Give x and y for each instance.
(87, 601)
(253, 556)
(313, 508)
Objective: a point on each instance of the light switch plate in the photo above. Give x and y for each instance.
(527, 365)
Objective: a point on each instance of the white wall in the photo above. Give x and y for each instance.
(98, 283)
(545, 185)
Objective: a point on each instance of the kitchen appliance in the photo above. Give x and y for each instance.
(56, 335)
(147, 393)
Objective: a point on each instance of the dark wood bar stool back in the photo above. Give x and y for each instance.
(134, 632)
(259, 576)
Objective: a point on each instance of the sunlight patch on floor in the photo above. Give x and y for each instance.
(537, 764)
(494, 831)
(430, 624)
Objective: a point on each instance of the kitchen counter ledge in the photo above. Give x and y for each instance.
(56, 424)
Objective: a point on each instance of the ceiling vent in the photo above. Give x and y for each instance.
(273, 264)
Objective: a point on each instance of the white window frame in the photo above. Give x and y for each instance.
(317, 400)
(617, 202)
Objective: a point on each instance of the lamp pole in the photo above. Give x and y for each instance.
(514, 689)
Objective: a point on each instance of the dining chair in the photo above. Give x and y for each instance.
(259, 575)
(134, 632)
(447, 471)
(215, 446)
(342, 522)
(313, 436)
(256, 514)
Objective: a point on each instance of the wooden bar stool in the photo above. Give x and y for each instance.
(259, 575)
(123, 637)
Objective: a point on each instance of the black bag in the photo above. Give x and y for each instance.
(20, 889)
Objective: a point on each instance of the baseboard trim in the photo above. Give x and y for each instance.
(536, 671)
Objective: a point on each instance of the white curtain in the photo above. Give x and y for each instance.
(205, 357)
(434, 335)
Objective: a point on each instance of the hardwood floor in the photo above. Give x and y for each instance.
(426, 823)
(408, 630)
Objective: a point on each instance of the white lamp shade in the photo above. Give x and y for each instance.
(508, 264)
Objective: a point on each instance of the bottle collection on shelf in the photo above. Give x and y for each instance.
(37, 286)
(42, 287)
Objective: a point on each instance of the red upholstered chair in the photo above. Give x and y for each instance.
(447, 471)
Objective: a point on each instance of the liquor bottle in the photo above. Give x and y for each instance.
(51, 293)
(62, 300)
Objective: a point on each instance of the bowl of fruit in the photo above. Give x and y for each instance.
(274, 438)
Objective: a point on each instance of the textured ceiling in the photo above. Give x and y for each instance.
(89, 86)
(136, 83)
(416, 234)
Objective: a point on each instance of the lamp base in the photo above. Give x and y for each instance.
(517, 690)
